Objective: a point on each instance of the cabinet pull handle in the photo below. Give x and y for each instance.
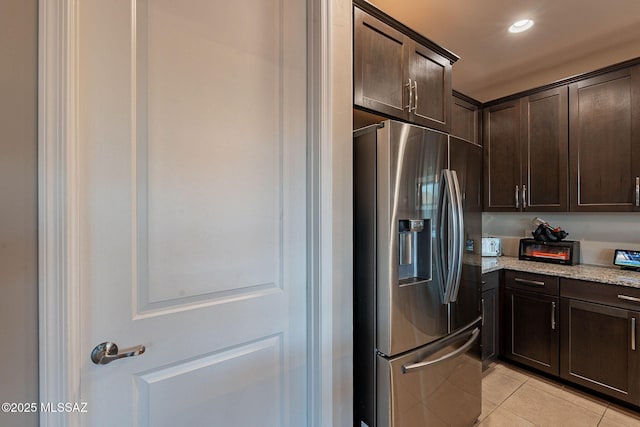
(415, 96)
(482, 302)
(633, 333)
(637, 191)
(517, 199)
(524, 196)
(410, 85)
(628, 298)
(553, 316)
(529, 282)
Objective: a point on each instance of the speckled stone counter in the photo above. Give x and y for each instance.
(610, 275)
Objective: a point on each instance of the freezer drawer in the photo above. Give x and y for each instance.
(437, 385)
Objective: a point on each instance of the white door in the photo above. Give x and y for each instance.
(192, 202)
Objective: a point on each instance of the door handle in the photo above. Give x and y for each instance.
(628, 298)
(421, 365)
(415, 97)
(529, 282)
(410, 86)
(637, 191)
(107, 352)
(459, 236)
(553, 316)
(524, 196)
(517, 197)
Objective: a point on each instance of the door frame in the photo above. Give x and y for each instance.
(60, 353)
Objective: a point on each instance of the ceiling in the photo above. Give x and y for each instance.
(569, 37)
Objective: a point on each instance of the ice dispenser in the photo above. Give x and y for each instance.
(414, 251)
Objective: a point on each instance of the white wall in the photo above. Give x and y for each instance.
(18, 210)
(599, 233)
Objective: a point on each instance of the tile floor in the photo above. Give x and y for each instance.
(512, 397)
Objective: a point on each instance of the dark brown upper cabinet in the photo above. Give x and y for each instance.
(501, 155)
(604, 120)
(465, 119)
(397, 76)
(545, 150)
(430, 75)
(526, 153)
(378, 66)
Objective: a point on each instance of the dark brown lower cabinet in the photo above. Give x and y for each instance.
(599, 348)
(490, 333)
(532, 330)
(531, 321)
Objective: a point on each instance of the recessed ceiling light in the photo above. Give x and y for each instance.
(520, 26)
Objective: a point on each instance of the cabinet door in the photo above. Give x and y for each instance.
(604, 115)
(464, 120)
(489, 326)
(466, 159)
(545, 140)
(599, 348)
(531, 330)
(490, 307)
(501, 146)
(430, 74)
(378, 66)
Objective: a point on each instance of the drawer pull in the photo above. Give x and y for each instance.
(628, 298)
(534, 283)
(633, 333)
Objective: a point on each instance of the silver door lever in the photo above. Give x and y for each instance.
(107, 352)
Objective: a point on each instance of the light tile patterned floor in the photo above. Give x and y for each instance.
(513, 397)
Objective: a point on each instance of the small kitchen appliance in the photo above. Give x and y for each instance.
(491, 246)
(565, 252)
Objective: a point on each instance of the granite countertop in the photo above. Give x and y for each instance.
(594, 273)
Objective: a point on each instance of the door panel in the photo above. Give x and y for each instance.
(501, 150)
(378, 65)
(409, 162)
(446, 393)
(192, 246)
(532, 330)
(466, 160)
(193, 222)
(431, 74)
(545, 141)
(597, 348)
(252, 371)
(604, 129)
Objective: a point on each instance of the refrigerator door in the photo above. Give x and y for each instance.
(409, 293)
(466, 161)
(437, 385)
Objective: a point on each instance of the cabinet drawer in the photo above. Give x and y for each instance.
(538, 283)
(601, 293)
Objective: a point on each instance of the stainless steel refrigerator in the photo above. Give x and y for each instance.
(417, 283)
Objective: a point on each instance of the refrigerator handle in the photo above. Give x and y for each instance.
(442, 242)
(447, 252)
(421, 365)
(458, 218)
